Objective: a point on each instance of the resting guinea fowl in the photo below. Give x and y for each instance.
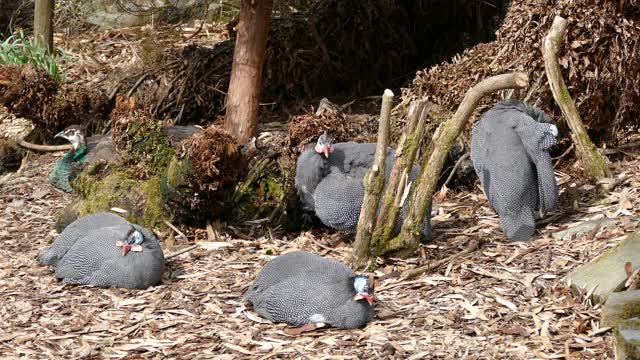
(106, 250)
(509, 150)
(82, 152)
(329, 181)
(300, 288)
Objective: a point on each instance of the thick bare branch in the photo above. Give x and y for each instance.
(373, 185)
(405, 156)
(591, 159)
(409, 238)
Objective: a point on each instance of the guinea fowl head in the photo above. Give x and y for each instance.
(324, 145)
(133, 242)
(74, 134)
(365, 288)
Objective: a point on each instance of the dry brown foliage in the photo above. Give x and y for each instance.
(30, 92)
(601, 60)
(215, 158)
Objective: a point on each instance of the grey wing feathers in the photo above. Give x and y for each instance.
(95, 260)
(338, 201)
(509, 154)
(75, 231)
(291, 264)
(537, 138)
(313, 297)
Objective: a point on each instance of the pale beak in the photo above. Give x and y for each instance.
(360, 296)
(325, 150)
(60, 135)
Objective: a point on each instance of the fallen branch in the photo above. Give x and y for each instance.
(471, 247)
(37, 147)
(373, 185)
(591, 159)
(180, 252)
(423, 189)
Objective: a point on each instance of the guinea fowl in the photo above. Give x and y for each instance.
(329, 181)
(106, 250)
(509, 151)
(83, 151)
(300, 288)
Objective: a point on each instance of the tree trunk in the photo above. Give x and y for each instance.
(246, 72)
(373, 185)
(409, 239)
(43, 23)
(593, 162)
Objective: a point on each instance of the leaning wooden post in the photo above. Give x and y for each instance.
(409, 239)
(591, 159)
(373, 185)
(398, 183)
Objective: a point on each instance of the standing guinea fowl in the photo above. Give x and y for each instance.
(300, 288)
(106, 250)
(509, 150)
(329, 181)
(82, 152)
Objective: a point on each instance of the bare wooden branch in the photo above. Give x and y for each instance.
(405, 156)
(471, 247)
(593, 162)
(37, 147)
(409, 239)
(373, 185)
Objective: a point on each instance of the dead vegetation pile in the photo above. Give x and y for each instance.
(146, 149)
(30, 92)
(216, 159)
(600, 60)
(317, 53)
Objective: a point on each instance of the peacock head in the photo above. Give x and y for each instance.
(74, 134)
(324, 145)
(365, 288)
(132, 242)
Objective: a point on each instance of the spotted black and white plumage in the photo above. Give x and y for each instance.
(332, 186)
(86, 252)
(301, 288)
(509, 150)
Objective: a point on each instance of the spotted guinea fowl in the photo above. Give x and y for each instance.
(106, 250)
(329, 181)
(509, 151)
(300, 288)
(83, 151)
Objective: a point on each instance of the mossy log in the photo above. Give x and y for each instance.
(620, 306)
(594, 164)
(606, 273)
(628, 339)
(104, 187)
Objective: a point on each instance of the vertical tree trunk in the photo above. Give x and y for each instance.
(246, 72)
(43, 23)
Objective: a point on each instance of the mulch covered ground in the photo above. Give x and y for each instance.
(504, 300)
